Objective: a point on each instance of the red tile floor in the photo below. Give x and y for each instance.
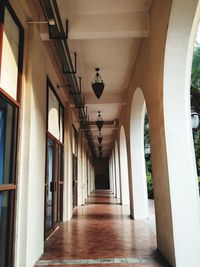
(102, 231)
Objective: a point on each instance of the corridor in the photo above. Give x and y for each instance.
(101, 233)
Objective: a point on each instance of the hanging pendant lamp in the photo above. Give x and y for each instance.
(100, 148)
(99, 121)
(100, 138)
(98, 84)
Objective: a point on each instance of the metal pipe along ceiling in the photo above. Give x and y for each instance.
(58, 35)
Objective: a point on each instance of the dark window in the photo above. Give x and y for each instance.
(8, 119)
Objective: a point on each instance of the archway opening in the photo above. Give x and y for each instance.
(195, 101)
(149, 175)
(140, 201)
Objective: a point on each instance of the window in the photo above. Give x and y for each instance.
(11, 43)
(8, 125)
(55, 114)
(74, 141)
(11, 48)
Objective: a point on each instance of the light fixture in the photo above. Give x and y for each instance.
(147, 149)
(100, 137)
(195, 120)
(100, 154)
(99, 121)
(98, 84)
(52, 22)
(100, 148)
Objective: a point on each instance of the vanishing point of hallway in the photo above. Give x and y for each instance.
(102, 233)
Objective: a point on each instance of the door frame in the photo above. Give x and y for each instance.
(59, 183)
(49, 86)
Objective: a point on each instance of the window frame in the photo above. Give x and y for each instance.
(60, 143)
(61, 107)
(13, 184)
(3, 5)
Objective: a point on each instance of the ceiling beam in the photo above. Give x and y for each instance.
(85, 7)
(103, 26)
(106, 99)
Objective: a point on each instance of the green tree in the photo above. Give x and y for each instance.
(195, 76)
(146, 130)
(148, 158)
(195, 100)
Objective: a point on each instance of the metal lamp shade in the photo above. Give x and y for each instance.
(100, 148)
(97, 84)
(195, 120)
(99, 124)
(98, 88)
(99, 121)
(100, 139)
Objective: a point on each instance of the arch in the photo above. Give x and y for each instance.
(184, 196)
(140, 200)
(125, 198)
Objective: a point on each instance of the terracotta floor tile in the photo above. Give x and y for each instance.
(103, 229)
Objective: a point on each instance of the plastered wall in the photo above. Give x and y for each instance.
(38, 64)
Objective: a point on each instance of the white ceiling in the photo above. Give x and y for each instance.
(105, 34)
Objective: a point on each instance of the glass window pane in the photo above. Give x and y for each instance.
(61, 125)
(53, 120)
(5, 217)
(7, 141)
(10, 53)
(49, 184)
(74, 142)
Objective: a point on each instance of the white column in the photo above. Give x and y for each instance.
(139, 181)
(117, 171)
(113, 172)
(184, 195)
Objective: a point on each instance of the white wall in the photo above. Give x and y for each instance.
(32, 148)
(30, 200)
(67, 194)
